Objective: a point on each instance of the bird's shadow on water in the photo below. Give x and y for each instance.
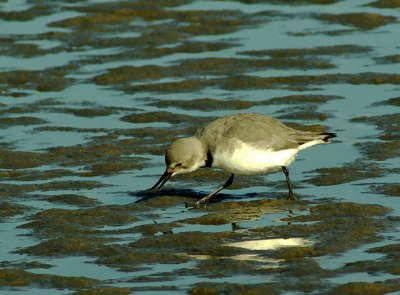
(185, 193)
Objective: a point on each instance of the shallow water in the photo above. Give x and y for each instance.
(92, 93)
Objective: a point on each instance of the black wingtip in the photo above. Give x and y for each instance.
(328, 135)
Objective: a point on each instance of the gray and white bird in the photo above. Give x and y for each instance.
(243, 143)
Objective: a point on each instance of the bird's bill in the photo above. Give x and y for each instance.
(163, 179)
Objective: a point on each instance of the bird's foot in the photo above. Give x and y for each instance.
(202, 203)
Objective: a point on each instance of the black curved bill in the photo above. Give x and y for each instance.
(163, 179)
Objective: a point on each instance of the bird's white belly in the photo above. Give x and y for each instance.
(246, 159)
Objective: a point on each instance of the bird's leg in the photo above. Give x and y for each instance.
(206, 198)
(289, 185)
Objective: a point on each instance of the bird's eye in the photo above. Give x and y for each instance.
(178, 165)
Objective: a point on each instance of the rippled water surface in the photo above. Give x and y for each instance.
(92, 93)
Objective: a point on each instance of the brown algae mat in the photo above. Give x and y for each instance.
(320, 226)
(314, 227)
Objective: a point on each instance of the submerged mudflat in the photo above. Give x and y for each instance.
(93, 92)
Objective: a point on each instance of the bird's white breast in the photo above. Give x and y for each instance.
(247, 159)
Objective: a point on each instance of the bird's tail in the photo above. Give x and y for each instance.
(327, 136)
(315, 138)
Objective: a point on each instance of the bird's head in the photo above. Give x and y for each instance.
(184, 155)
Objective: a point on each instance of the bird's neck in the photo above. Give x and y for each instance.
(209, 159)
(202, 149)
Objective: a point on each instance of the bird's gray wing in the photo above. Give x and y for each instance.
(263, 132)
(258, 130)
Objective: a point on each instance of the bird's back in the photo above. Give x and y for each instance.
(257, 130)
